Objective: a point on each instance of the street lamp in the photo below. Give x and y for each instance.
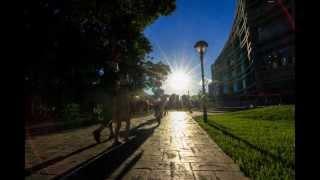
(201, 47)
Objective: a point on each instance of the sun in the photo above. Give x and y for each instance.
(178, 82)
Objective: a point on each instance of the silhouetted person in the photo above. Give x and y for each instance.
(120, 111)
(157, 110)
(164, 108)
(189, 107)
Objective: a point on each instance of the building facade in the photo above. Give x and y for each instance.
(256, 65)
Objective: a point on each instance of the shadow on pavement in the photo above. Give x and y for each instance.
(50, 162)
(104, 164)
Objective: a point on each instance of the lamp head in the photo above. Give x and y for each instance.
(201, 46)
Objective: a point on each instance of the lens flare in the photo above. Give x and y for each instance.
(179, 81)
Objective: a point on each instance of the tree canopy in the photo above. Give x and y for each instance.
(68, 40)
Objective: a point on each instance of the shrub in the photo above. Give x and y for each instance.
(70, 112)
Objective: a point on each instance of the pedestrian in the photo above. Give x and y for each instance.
(164, 109)
(157, 110)
(120, 111)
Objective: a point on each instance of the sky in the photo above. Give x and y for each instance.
(174, 36)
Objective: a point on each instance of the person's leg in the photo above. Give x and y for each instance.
(117, 131)
(127, 129)
(97, 133)
(111, 130)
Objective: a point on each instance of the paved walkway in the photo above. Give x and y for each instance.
(179, 149)
(53, 154)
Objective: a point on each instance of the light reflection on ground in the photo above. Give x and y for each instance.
(178, 123)
(180, 149)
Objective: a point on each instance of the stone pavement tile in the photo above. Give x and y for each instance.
(64, 165)
(180, 144)
(200, 142)
(199, 150)
(230, 176)
(171, 156)
(205, 175)
(203, 146)
(152, 151)
(187, 153)
(162, 165)
(164, 144)
(214, 166)
(195, 159)
(207, 157)
(137, 174)
(171, 148)
(152, 141)
(181, 149)
(168, 175)
(185, 148)
(38, 176)
(151, 158)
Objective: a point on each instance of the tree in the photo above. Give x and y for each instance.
(67, 40)
(155, 74)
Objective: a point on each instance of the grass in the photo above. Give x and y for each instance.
(261, 141)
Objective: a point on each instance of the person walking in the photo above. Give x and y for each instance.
(120, 111)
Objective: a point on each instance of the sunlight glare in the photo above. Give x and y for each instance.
(179, 80)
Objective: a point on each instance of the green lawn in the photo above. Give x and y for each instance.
(261, 140)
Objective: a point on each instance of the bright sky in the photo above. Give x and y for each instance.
(174, 36)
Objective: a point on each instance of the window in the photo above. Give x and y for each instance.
(239, 85)
(273, 29)
(244, 83)
(242, 68)
(224, 78)
(284, 61)
(233, 73)
(225, 88)
(238, 70)
(241, 23)
(235, 87)
(216, 93)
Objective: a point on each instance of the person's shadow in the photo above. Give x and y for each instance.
(105, 163)
(47, 163)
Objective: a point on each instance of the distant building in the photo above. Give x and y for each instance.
(256, 65)
(210, 90)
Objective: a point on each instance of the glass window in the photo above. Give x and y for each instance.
(238, 70)
(225, 88)
(242, 68)
(233, 73)
(284, 61)
(244, 83)
(239, 85)
(273, 29)
(235, 87)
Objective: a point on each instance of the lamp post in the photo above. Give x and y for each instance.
(201, 47)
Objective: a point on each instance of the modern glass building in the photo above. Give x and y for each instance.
(256, 65)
